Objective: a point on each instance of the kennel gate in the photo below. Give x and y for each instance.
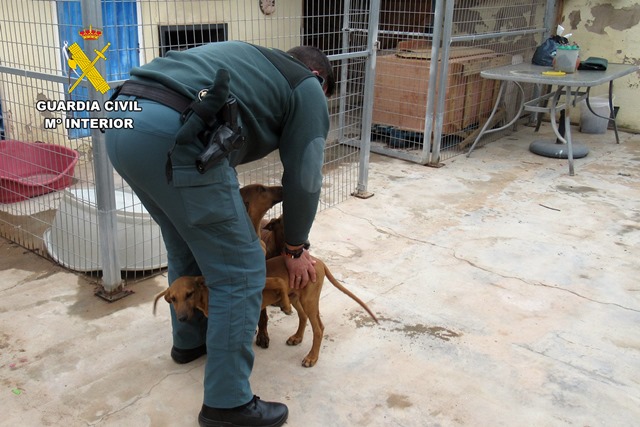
(100, 221)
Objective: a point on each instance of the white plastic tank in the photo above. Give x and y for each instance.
(72, 240)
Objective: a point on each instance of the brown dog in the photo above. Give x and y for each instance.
(187, 294)
(184, 292)
(306, 301)
(272, 234)
(258, 199)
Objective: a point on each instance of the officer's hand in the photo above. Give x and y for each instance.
(301, 270)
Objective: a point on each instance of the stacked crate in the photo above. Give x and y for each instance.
(401, 87)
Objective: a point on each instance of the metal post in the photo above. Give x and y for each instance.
(344, 68)
(549, 18)
(367, 110)
(443, 73)
(105, 188)
(429, 136)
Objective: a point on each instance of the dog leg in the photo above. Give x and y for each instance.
(262, 338)
(296, 338)
(280, 285)
(269, 297)
(318, 331)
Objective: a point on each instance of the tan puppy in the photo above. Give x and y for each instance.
(272, 234)
(182, 293)
(187, 294)
(306, 301)
(258, 199)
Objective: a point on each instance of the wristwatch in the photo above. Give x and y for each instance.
(295, 253)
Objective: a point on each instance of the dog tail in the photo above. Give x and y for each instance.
(344, 290)
(160, 295)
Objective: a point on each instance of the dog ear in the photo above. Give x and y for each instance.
(269, 226)
(202, 296)
(160, 295)
(167, 295)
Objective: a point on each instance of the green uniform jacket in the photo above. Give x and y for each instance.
(276, 113)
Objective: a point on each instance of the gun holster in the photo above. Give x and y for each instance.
(212, 119)
(221, 138)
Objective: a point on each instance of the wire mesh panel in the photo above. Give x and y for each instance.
(60, 59)
(434, 51)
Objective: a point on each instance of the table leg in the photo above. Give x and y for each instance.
(563, 146)
(484, 130)
(561, 127)
(567, 128)
(493, 113)
(612, 113)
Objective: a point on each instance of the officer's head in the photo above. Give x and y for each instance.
(318, 62)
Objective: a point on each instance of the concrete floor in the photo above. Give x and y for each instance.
(507, 290)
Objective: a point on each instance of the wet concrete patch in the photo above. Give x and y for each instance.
(581, 189)
(399, 401)
(419, 329)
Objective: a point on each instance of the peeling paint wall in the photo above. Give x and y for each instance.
(611, 30)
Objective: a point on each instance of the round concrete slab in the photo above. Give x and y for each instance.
(559, 151)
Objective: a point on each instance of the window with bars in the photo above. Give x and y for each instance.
(182, 37)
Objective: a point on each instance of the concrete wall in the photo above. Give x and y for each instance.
(611, 30)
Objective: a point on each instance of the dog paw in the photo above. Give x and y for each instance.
(294, 340)
(287, 310)
(309, 361)
(262, 341)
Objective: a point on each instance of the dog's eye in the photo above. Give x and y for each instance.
(189, 294)
(173, 299)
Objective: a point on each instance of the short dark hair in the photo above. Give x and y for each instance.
(315, 59)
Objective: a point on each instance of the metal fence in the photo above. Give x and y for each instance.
(61, 198)
(408, 86)
(429, 96)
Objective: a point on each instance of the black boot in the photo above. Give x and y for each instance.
(256, 413)
(182, 356)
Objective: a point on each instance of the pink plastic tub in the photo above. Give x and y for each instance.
(29, 169)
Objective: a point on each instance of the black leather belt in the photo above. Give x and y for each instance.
(162, 95)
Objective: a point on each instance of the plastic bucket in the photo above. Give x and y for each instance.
(566, 59)
(589, 123)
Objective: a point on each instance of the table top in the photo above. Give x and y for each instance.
(529, 73)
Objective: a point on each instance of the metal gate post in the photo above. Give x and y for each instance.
(367, 110)
(442, 73)
(105, 188)
(431, 148)
(344, 67)
(549, 18)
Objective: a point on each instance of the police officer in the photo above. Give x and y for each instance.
(281, 102)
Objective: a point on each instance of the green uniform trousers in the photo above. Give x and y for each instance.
(206, 231)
